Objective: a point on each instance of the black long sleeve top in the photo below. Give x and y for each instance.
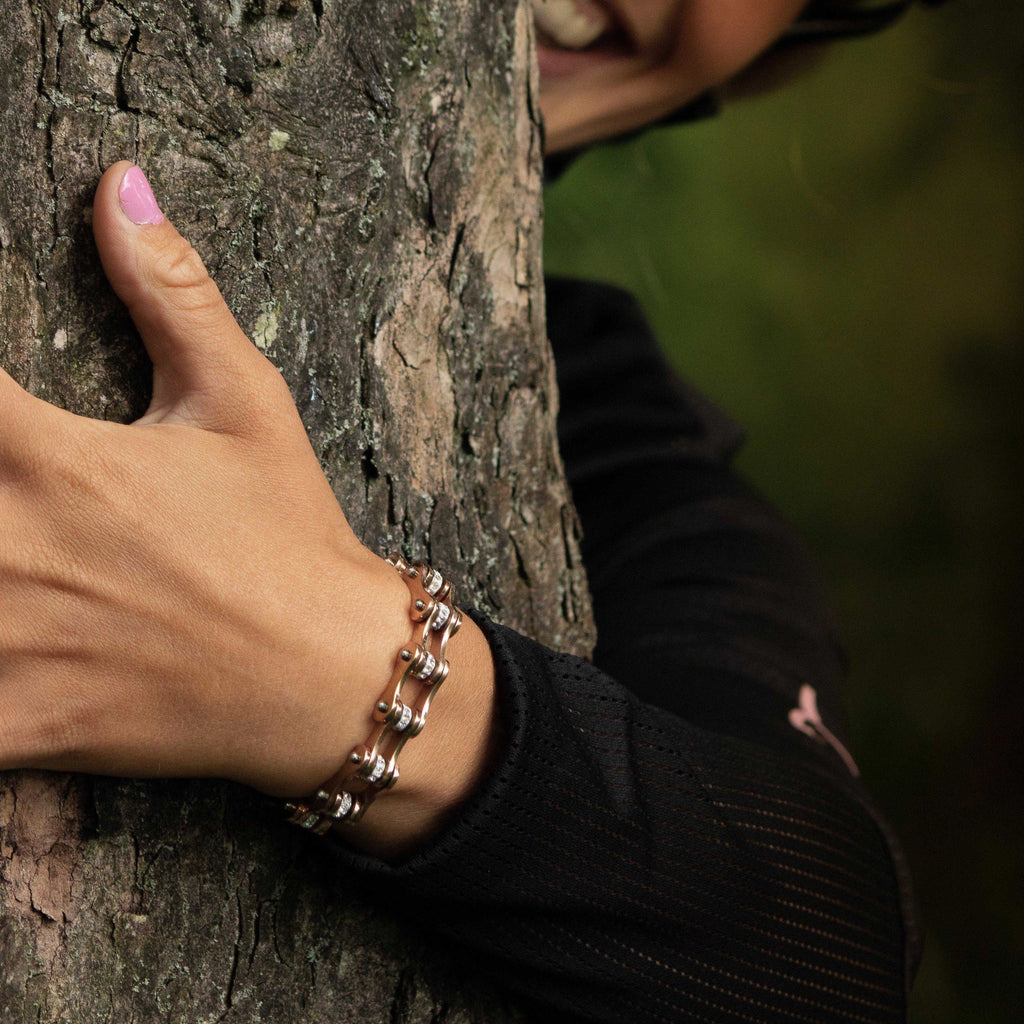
(677, 831)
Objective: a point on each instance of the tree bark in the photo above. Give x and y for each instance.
(363, 181)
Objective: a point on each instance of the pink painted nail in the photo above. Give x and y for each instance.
(137, 199)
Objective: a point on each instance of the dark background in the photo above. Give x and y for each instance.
(841, 265)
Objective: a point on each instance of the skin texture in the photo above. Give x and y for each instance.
(665, 53)
(203, 534)
(132, 554)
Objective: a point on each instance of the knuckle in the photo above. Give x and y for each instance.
(57, 735)
(39, 453)
(180, 271)
(268, 389)
(26, 423)
(56, 732)
(268, 411)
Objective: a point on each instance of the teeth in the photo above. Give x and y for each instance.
(572, 24)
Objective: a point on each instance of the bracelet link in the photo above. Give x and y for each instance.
(372, 767)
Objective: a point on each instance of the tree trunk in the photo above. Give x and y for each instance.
(362, 180)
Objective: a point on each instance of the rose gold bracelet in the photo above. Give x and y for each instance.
(372, 767)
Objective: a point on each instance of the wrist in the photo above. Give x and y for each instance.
(447, 762)
(444, 754)
(346, 672)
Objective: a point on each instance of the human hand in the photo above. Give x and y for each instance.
(183, 596)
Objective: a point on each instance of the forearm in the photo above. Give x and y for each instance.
(619, 863)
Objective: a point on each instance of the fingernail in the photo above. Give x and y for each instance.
(137, 199)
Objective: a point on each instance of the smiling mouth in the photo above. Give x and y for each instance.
(576, 34)
(571, 24)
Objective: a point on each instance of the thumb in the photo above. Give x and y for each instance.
(203, 363)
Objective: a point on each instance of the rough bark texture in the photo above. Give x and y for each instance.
(363, 182)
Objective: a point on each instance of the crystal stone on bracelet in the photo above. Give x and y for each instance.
(432, 582)
(342, 805)
(334, 807)
(404, 719)
(441, 616)
(310, 820)
(428, 666)
(378, 769)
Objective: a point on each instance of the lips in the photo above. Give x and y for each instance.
(571, 24)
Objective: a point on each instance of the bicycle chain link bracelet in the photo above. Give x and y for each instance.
(372, 767)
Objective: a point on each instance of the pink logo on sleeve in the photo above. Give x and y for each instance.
(807, 719)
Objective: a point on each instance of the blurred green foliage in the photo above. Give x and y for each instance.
(841, 266)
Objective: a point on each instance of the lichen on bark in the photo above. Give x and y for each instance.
(363, 181)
